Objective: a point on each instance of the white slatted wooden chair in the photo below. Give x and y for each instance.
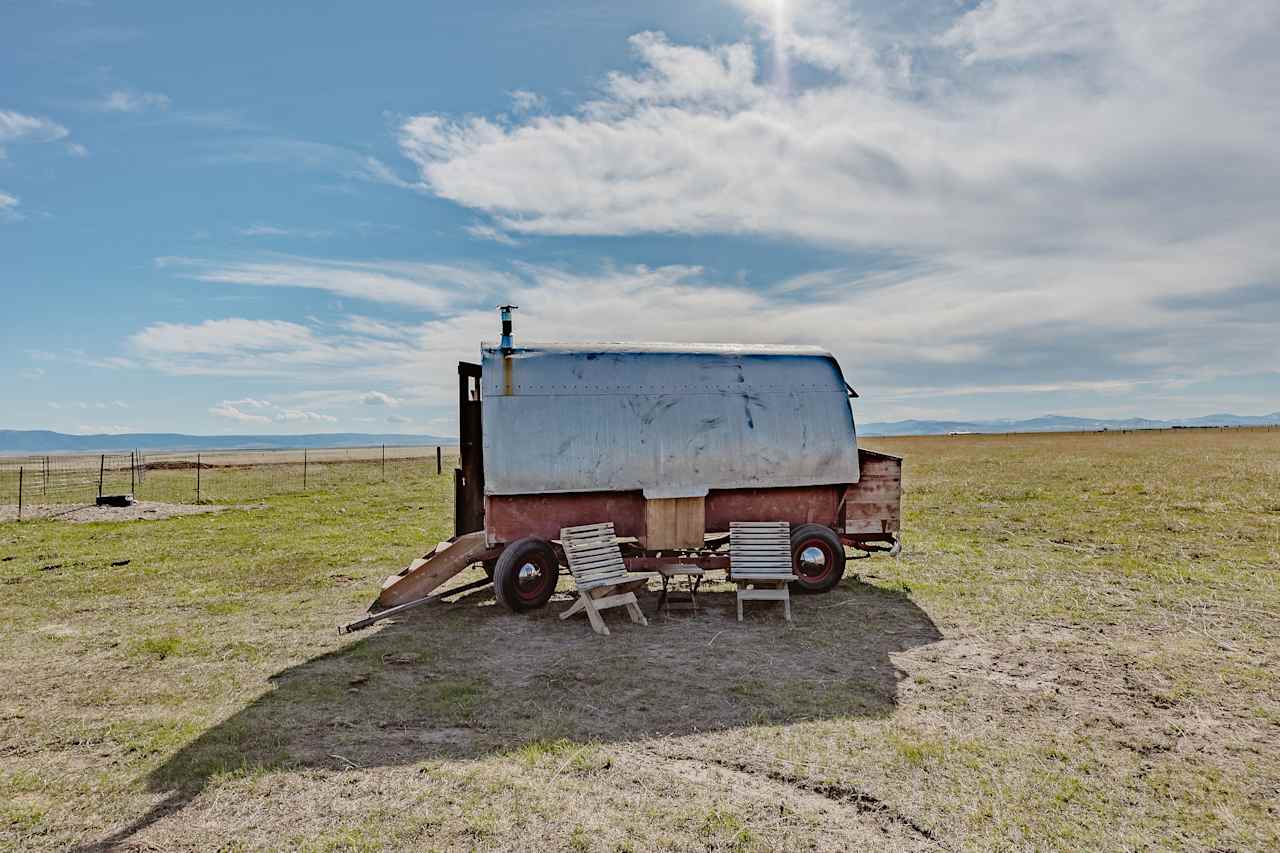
(595, 561)
(760, 562)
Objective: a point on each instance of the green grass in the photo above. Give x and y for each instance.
(1077, 650)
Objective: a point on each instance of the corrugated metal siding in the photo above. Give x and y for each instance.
(671, 420)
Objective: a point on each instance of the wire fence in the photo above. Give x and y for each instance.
(207, 477)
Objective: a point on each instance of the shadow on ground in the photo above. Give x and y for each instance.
(462, 680)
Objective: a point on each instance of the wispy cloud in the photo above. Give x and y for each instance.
(524, 101)
(230, 412)
(265, 413)
(484, 231)
(378, 398)
(263, 230)
(1035, 247)
(295, 416)
(131, 101)
(998, 340)
(9, 208)
(307, 155)
(17, 127)
(424, 286)
(104, 429)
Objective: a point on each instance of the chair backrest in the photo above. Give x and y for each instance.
(593, 554)
(759, 549)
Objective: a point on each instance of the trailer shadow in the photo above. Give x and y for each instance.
(467, 679)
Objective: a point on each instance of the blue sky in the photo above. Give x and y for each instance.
(224, 219)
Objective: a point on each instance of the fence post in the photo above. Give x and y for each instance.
(44, 479)
(197, 478)
(304, 469)
(439, 461)
(20, 493)
(102, 466)
(133, 469)
(384, 463)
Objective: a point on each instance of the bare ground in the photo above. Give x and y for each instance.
(140, 511)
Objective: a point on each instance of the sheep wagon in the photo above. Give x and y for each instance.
(670, 442)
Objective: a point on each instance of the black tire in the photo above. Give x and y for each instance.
(824, 572)
(525, 575)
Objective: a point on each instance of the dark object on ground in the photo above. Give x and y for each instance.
(115, 500)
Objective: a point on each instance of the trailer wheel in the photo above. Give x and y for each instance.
(817, 558)
(525, 575)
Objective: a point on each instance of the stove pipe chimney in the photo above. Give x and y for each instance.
(506, 310)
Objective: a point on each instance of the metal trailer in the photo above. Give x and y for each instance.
(670, 442)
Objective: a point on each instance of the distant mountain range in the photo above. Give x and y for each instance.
(44, 441)
(1059, 423)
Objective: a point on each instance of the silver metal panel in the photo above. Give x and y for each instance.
(669, 419)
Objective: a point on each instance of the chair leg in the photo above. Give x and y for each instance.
(577, 607)
(593, 615)
(739, 602)
(634, 611)
(786, 603)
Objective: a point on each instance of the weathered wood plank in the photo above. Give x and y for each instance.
(426, 574)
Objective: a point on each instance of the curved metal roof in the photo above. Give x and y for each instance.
(669, 419)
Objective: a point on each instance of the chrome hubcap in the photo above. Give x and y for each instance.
(529, 574)
(813, 561)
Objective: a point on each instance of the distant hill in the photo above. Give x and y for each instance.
(44, 441)
(1059, 423)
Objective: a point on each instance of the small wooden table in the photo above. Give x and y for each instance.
(675, 598)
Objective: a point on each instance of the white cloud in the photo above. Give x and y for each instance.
(399, 420)
(294, 415)
(96, 429)
(1070, 192)
(261, 230)
(997, 340)
(424, 286)
(9, 208)
(77, 150)
(377, 398)
(524, 101)
(224, 336)
(226, 410)
(482, 231)
(235, 410)
(16, 127)
(128, 101)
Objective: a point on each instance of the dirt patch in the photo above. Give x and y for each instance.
(140, 511)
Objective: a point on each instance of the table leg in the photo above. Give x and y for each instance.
(662, 597)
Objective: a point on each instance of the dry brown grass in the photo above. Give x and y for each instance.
(1078, 650)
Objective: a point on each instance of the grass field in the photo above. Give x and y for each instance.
(1079, 648)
